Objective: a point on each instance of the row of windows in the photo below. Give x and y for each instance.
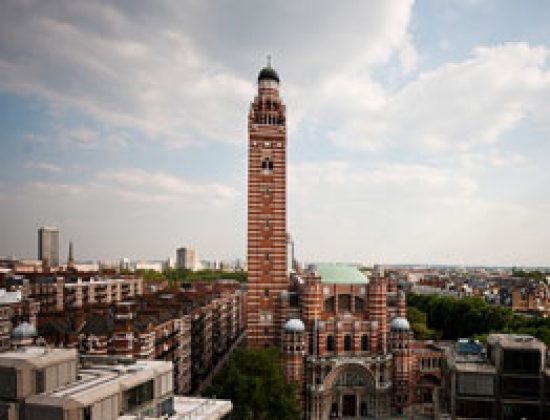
(344, 303)
(269, 119)
(348, 343)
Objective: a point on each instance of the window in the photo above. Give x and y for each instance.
(364, 342)
(267, 165)
(522, 361)
(266, 223)
(266, 292)
(358, 304)
(267, 256)
(344, 303)
(39, 381)
(363, 409)
(266, 191)
(329, 304)
(330, 343)
(347, 343)
(87, 413)
(139, 395)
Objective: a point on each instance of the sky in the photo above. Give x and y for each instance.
(418, 132)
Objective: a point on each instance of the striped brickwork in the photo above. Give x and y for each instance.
(267, 253)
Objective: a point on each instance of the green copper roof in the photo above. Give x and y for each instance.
(341, 274)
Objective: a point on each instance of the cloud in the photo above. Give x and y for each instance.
(141, 186)
(340, 177)
(44, 166)
(183, 72)
(492, 158)
(165, 186)
(455, 107)
(410, 213)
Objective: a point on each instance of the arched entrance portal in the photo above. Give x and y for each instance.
(349, 392)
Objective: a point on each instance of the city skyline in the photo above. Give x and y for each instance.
(416, 131)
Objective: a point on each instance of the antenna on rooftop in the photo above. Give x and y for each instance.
(269, 60)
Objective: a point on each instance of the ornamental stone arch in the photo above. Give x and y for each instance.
(349, 390)
(359, 370)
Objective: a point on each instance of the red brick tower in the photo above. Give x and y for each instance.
(401, 339)
(267, 273)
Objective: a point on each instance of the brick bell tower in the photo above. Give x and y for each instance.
(267, 271)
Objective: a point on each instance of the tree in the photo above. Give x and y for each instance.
(456, 318)
(418, 320)
(252, 379)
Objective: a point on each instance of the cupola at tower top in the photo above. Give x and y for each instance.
(268, 77)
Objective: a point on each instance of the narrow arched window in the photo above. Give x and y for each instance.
(364, 342)
(330, 343)
(347, 343)
(267, 165)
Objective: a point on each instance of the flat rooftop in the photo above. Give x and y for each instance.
(516, 342)
(192, 408)
(200, 408)
(36, 357)
(98, 382)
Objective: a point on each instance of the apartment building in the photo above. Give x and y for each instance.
(193, 328)
(56, 293)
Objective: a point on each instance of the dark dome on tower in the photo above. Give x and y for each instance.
(268, 73)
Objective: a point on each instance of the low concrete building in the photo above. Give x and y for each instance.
(508, 380)
(37, 383)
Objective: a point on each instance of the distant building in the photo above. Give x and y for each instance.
(48, 245)
(510, 380)
(289, 253)
(187, 258)
(57, 293)
(157, 266)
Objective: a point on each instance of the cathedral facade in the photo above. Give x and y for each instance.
(344, 336)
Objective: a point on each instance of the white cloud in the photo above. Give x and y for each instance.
(141, 186)
(492, 158)
(43, 166)
(141, 183)
(458, 106)
(172, 70)
(410, 214)
(424, 182)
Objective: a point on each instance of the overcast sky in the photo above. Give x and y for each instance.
(418, 132)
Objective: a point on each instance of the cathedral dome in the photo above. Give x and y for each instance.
(23, 331)
(268, 73)
(400, 324)
(295, 325)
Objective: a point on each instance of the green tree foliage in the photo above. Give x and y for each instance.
(418, 321)
(177, 276)
(454, 318)
(252, 379)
